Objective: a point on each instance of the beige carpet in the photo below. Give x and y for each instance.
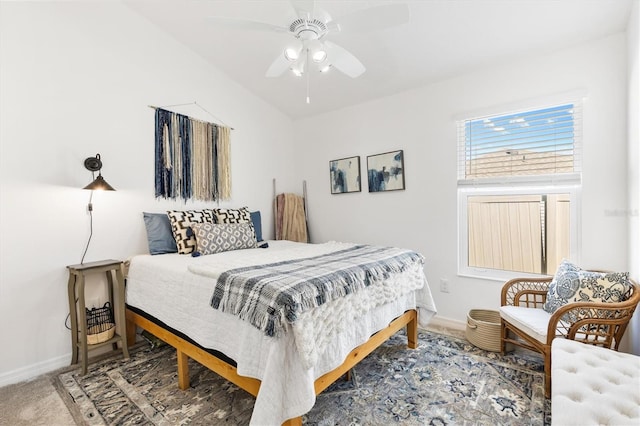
(33, 403)
(36, 402)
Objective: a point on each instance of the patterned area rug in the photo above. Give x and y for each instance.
(446, 381)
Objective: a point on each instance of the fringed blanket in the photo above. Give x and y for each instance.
(269, 296)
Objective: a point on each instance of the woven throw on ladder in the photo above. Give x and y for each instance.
(291, 222)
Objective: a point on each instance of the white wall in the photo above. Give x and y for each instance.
(76, 80)
(633, 49)
(422, 123)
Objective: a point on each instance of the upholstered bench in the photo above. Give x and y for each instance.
(592, 385)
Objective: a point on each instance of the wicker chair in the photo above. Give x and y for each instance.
(600, 324)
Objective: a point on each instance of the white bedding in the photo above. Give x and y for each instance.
(177, 290)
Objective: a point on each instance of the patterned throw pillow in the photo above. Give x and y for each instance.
(181, 221)
(240, 215)
(218, 237)
(572, 284)
(564, 284)
(603, 287)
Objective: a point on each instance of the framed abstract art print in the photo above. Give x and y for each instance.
(385, 172)
(345, 175)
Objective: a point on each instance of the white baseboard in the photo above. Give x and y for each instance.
(438, 321)
(32, 371)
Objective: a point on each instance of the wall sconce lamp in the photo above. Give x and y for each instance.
(94, 164)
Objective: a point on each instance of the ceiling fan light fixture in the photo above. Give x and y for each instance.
(297, 72)
(325, 68)
(291, 54)
(319, 56)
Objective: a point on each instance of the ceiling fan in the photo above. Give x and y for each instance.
(309, 27)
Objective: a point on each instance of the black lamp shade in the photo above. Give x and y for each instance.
(99, 184)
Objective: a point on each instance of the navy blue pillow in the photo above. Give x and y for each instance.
(159, 234)
(257, 224)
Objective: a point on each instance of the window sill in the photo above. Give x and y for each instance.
(497, 275)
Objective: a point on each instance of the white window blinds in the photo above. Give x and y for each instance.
(540, 144)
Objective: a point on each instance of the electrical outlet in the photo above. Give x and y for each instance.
(444, 285)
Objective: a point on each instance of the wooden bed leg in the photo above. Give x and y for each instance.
(347, 375)
(412, 332)
(183, 370)
(297, 421)
(131, 333)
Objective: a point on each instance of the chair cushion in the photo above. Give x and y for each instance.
(573, 284)
(593, 386)
(533, 321)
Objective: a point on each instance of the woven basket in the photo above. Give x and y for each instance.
(100, 333)
(483, 329)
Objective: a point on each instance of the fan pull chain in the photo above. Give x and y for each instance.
(308, 76)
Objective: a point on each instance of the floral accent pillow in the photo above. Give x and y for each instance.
(603, 287)
(573, 284)
(564, 284)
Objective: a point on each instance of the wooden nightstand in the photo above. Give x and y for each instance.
(77, 311)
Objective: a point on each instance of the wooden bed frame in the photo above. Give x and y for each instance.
(186, 350)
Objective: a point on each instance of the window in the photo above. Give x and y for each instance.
(518, 187)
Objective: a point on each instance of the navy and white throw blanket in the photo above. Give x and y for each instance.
(269, 296)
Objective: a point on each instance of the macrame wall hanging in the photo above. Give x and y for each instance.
(192, 158)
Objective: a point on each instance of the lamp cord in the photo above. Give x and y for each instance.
(90, 209)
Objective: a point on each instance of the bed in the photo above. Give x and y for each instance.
(171, 296)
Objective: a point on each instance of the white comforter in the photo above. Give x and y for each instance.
(177, 290)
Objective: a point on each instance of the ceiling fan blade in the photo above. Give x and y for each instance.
(307, 9)
(375, 18)
(245, 24)
(343, 60)
(279, 66)
(304, 8)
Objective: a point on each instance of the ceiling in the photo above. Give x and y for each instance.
(442, 39)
